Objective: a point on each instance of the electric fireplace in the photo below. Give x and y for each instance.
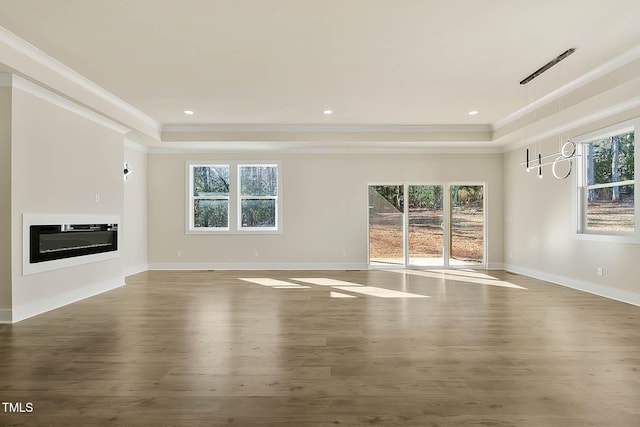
(58, 241)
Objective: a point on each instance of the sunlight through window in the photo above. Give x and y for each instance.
(341, 295)
(379, 292)
(325, 282)
(274, 283)
(460, 276)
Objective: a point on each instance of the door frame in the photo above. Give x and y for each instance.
(446, 221)
(404, 226)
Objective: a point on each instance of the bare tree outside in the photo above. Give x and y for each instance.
(610, 188)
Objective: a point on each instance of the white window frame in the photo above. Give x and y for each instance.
(234, 214)
(582, 187)
(191, 228)
(446, 223)
(276, 198)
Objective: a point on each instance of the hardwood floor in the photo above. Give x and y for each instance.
(208, 349)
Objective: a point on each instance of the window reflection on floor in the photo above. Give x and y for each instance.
(335, 284)
(466, 276)
(274, 283)
(380, 292)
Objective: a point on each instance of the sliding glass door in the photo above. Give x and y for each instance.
(386, 225)
(466, 232)
(426, 225)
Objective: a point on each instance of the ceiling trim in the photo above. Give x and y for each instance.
(287, 148)
(327, 134)
(62, 102)
(324, 128)
(135, 146)
(58, 68)
(572, 125)
(359, 138)
(604, 69)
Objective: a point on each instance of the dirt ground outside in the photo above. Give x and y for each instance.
(426, 234)
(611, 216)
(425, 230)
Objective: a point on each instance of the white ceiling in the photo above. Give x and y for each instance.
(373, 62)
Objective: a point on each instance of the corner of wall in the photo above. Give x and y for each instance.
(134, 248)
(48, 133)
(580, 285)
(52, 302)
(135, 269)
(5, 198)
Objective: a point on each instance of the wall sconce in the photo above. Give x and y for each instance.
(127, 170)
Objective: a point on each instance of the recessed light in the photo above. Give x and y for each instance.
(473, 113)
(188, 112)
(327, 112)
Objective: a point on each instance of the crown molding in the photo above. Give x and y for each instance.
(59, 101)
(329, 136)
(606, 68)
(324, 128)
(314, 148)
(56, 67)
(135, 146)
(568, 126)
(29, 61)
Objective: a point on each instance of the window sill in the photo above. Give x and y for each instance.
(231, 232)
(610, 238)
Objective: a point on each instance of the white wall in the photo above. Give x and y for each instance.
(324, 208)
(5, 203)
(133, 244)
(61, 160)
(540, 230)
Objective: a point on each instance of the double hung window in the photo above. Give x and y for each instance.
(209, 205)
(607, 199)
(258, 196)
(221, 192)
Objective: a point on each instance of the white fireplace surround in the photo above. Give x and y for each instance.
(39, 219)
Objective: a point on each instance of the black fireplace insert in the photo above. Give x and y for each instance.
(51, 242)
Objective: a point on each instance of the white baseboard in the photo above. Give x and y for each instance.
(592, 288)
(5, 315)
(42, 306)
(271, 266)
(256, 266)
(130, 271)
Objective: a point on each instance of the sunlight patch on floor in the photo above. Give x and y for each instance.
(335, 284)
(340, 295)
(291, 287)
(460, 276)
(324, 282)
(274, 283)
(379, 292)
(463, 272)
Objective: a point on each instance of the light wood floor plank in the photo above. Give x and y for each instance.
(205, 348)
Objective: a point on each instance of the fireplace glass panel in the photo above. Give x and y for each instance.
(51, 242)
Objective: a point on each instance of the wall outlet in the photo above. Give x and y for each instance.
(179, 254)
(97, 197)
(600, 272)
